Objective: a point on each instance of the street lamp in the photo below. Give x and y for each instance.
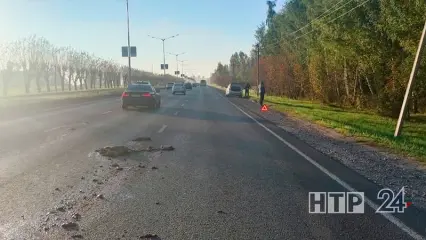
(177, 61)
(164, 53)
(182, 61)
(128, 42)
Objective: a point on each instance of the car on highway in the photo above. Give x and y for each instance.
(195, 84)
(179, 88)
(188, 85)
(143, 82)
(141, 95)
(203, 83)
(234, 90)
(169, 85)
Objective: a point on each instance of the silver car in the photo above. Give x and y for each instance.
(179, 88)
(234, 90)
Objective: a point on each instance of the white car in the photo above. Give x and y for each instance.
(179, 88)
(234, 90)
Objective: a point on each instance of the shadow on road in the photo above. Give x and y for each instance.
(204, 115)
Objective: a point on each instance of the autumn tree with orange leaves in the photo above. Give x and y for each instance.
(356, 54)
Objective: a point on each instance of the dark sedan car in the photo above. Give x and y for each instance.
(140, 95)
(188, 85)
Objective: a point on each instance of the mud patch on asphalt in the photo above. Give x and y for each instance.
(114, 164)
(119, 151)
(142, 139)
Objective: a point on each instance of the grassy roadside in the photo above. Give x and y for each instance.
(366, 127)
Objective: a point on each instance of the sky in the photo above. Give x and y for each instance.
(209, 30)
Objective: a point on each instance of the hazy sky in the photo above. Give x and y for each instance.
(210, 30)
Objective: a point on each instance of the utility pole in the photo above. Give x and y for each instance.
(128, 43)
(164, 52)
(414, 70)
(182, 61)
(177, 61)
(258, 73)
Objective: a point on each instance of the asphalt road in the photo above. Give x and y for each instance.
(228, 177)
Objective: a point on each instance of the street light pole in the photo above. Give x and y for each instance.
(164, 52)
(128, 43)
(177, 61)
(182, 61)
(164, 58)
(258, 54)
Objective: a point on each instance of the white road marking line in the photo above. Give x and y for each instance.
(176, 113)
(53, 129)
(370, 203)
(106, 112)
(162, 129)
(182, 105)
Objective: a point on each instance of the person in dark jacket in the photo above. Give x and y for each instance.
(262, 93)
(247, 90)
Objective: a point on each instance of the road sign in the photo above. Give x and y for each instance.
(162, 66)
(125, 51)
(264, 108)
(177, 72)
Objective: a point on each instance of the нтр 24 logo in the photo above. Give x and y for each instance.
(391, 202)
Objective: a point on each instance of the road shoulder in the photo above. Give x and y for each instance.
(378, 168)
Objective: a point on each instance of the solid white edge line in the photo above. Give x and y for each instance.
(370, 203)
(162, 129)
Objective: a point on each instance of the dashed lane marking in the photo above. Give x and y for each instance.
(162, 129)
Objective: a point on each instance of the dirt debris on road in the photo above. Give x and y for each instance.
(119, 151)
(150, 236)
(115, 151)
(142, 139)
(70, 226)
(76, 216)
(167, 148)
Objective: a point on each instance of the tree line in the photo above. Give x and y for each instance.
(356, 53)
(34, 64)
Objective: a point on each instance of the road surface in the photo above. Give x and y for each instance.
(230, 176)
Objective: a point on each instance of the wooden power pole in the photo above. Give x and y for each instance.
(414, 70)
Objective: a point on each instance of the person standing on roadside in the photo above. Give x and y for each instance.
(262, 93)
(247, 90)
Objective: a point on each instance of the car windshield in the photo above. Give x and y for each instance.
(178, 84)
(140, 88)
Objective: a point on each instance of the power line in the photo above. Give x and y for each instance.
(320, 16)
(334, 19)
(280, 40)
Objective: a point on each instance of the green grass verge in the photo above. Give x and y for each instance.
(366, 127)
